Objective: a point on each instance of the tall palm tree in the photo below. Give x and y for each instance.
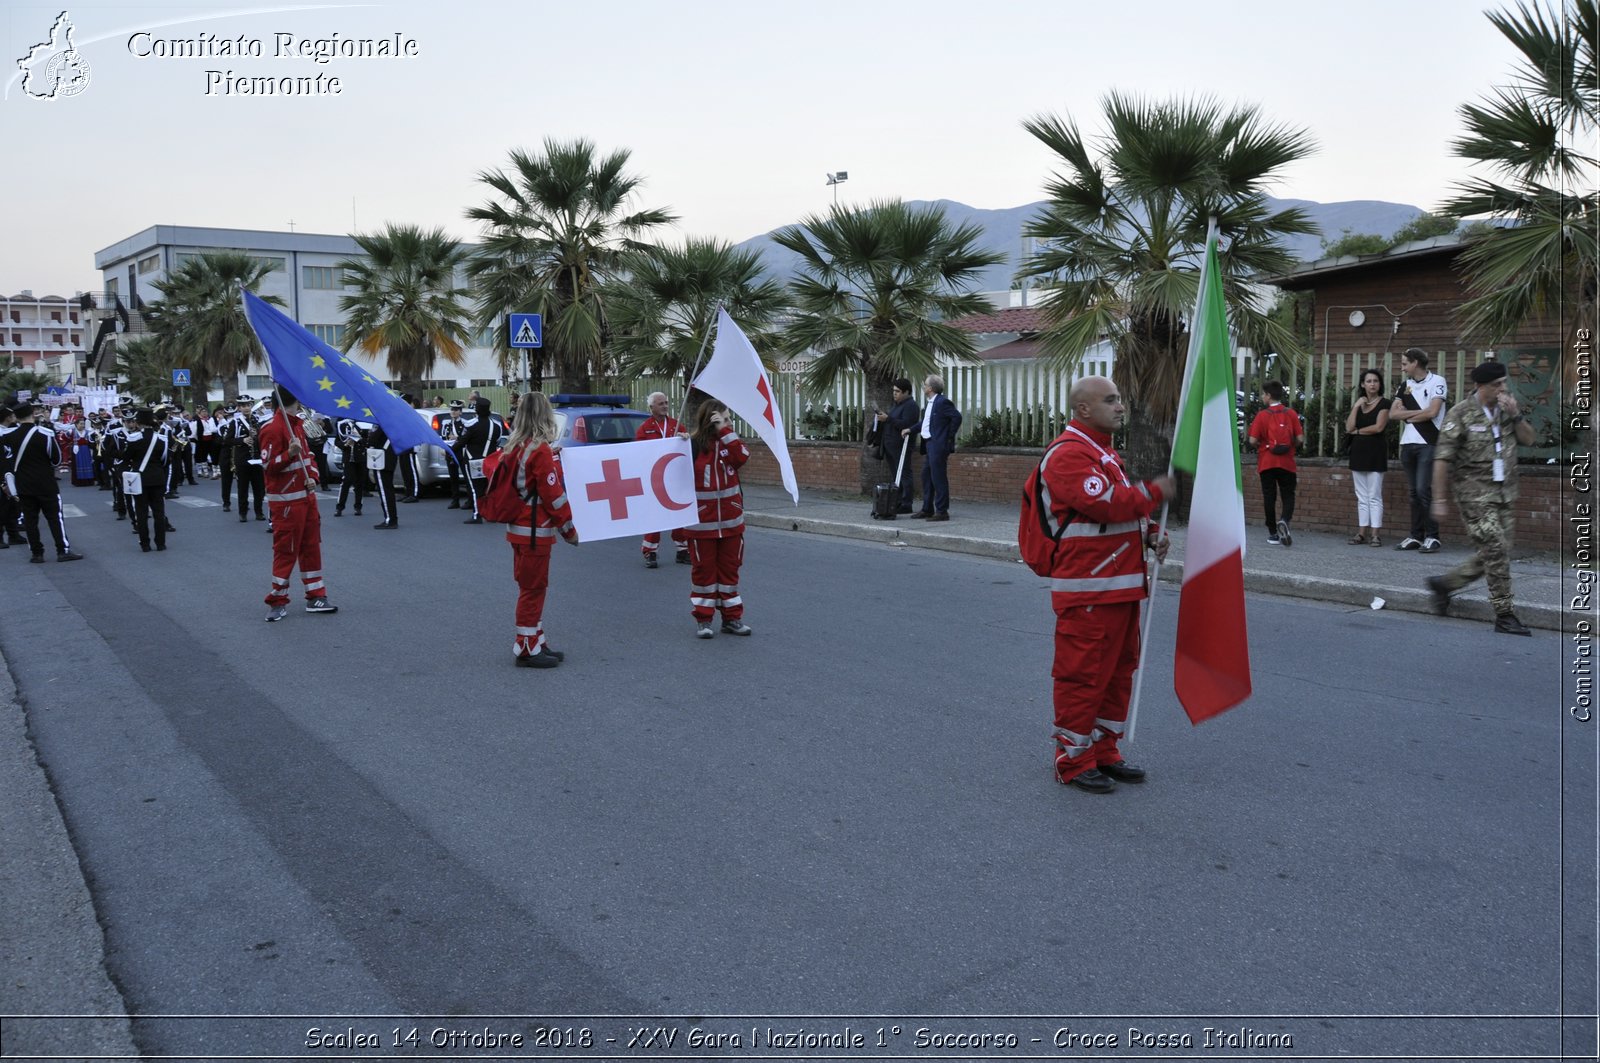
(1122, 240)
(406, 301)
(664, 305)
(553, 234)
(1532, 136)
(199, 322)
(877, 288)
(145, 367)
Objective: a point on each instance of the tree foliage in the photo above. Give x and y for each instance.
(199, 322)
(554, 232)
(406, 302)
(1534, 137)
(1122, 239)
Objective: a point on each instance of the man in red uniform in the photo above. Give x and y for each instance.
(716, 540)
(291, 478)
(1097, 580)
(661, 425)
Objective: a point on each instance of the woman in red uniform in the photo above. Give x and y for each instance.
(716, 543)
(537, 479)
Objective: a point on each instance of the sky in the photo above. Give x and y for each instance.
(734, 113)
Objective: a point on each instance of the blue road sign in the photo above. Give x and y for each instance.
(180, 378)
(525, 330)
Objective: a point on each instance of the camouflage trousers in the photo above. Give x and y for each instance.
(1490, 526)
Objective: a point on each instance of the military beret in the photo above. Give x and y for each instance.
(1488, 372)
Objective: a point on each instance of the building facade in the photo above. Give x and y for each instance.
(45, 334)
(304, 274)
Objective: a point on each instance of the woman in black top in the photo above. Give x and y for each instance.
(1369, 455)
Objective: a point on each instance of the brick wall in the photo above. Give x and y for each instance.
(1324, 501)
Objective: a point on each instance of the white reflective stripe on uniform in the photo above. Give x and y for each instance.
(709, 603)
(529, 630)
(1085, 529)
(519, 529)
(1114, 728)
(545, 533)
(711, 496)
(1072, 743)
(718, 525)
(314, 585)
(566, 528)
(559, 502)
(732, 600)
(292, 497)
(276, 582)
(1104, 583)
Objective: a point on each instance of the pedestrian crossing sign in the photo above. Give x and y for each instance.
(525, 330)
(180, 378)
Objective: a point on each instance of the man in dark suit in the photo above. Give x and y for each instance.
(940, 423)
(895, 428)
(33, 463)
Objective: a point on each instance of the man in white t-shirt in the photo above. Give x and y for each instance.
(1419, 409)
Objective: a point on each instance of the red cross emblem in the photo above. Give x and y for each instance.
(614, 488)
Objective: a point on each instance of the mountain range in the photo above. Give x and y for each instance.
(1002, 231)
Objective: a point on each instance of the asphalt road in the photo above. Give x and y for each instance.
(846, 820)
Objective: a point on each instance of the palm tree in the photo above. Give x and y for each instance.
(553, 235)
(663, 307)
(199, 323)
(1123, 237)
(877, 288)
(406, 301)
(1532, 136)
(145, 368)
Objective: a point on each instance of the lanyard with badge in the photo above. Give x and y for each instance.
(1499, 462)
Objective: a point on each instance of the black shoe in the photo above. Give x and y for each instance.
(338, 511)
(387, 525)
(261, 516)
(36, 559)
(160, 547)
(455, 503)
(1093, 781)
(1122, 771)
(408, 500)
(170, 494)
(169, 528)
(1508, 624)
(683, 557)
(1439, 593)
(145, 547)
(68, 555)
(919, 515)
(736, 627)
(557, 654)
(939, 516)
(226, 508)
(122, 516)
(358, 511)
(244, 518)
(542, 659)
(473, 520)
(650, 561)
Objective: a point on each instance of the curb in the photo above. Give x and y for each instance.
(1315, 588)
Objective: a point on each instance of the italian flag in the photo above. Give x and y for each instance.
(1211, 672)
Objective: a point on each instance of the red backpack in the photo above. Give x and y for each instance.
(1038, 535)
(501, 503)
(1281, 430)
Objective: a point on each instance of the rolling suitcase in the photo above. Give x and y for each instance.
(886, 497)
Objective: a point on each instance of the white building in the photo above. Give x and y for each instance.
(305, 275)
(44, 333)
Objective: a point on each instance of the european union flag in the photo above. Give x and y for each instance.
(330, 382)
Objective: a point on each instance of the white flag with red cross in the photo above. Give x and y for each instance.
(630, 488)
(736, 376)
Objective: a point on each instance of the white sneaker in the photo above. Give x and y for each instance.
(1430, 546)
(1283, 533)
(704, 630)
(276, 613)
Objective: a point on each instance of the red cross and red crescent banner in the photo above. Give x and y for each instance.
(736, 376)
(630, 488)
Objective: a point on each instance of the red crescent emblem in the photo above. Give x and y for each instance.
(658, 481)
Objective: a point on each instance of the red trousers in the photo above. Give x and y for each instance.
(530, 564)
(1097, 650)
(296, 540)
(653, 540)
(714, 571)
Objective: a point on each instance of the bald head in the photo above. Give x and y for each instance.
(1095, 402)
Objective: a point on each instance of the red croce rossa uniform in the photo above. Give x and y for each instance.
(716, 542)
(532, 535)
(659, 428)
(292, 508)
(1096, 583)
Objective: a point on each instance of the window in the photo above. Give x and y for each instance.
(273, 263)
(55, 315)
(323, 277)
(257, 383)
(74, 339)
(332, 335)
(16, 339)
(437, 385)
(55, 338)
(74, 316)
(16, 317)
(485, 337)
(149, 264)
(490, 383)
(111, 285)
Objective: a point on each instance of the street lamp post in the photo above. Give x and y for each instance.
(834, 181)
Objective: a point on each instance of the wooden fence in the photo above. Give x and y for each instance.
(1031, 398)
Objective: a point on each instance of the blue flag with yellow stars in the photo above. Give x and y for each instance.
(329, 382)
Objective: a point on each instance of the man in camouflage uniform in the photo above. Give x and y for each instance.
(1477, 455)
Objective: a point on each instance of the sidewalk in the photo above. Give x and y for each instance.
(1319, 565)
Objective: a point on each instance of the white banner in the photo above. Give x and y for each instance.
(630, 488)
(735, 375)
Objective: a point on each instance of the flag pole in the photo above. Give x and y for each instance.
(697, 360)
(1155, 572)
